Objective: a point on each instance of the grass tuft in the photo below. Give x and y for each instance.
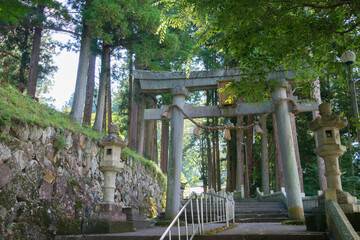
(293, 222)
(17, 108)
(219, 229)
(166, 223)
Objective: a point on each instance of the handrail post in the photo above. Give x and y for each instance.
(233, 209)
(210, 214)
(223, 210)
(198, 214)
(202, 212)
(227, 213)
(179, 233)
(186, 226)
(192, 216)
(220, 208)
(206, 208)
(217, 209)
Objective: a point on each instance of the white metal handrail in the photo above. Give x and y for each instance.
(217, 209)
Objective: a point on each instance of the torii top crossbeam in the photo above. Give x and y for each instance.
(162, 82)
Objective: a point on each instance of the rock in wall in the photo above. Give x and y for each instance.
(50, 182)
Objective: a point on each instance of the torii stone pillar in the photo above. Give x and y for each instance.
(291, 176)
(178, 95)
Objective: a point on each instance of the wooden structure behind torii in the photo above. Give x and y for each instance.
(178, 85)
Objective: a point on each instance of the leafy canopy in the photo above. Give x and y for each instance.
(263, 36)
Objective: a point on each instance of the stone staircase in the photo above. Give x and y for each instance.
(252, 211)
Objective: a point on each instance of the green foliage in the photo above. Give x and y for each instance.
(5, 138)
(264, 37)
(18, 108)
(60, 142)
(14, 11)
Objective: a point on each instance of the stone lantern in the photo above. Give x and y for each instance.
(107, 216)
(111, 161)
(327, 127)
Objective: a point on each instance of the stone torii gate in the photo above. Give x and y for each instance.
(178, 85)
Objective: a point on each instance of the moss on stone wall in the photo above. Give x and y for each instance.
(148, 164)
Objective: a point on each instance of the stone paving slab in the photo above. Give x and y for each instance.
(241, 229)
(264, 228)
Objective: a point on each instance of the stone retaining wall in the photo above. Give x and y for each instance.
(50, 182)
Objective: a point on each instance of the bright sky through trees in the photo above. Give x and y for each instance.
(64, 78)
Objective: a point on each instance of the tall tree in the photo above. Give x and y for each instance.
(90, 86)
(105, 70)
(81, 77)
(35, 54)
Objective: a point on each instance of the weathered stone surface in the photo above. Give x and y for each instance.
(18, 161)
(5, 152)
(75, 141)
(35, 133)
(39, 152)
(107, 227)
(47, 135)
(49, 176)
(3, 212)
(108, 212)
(68, 136)
(34, 173)
(5, 129)
(82, 141)
(28, 148)
(24, 189)
(5, 175)
(46, 190)
(21, 132)
(49, 152)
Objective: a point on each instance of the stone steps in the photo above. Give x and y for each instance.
(251, 210)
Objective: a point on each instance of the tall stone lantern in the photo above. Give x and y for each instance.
(111, 161)
(327, 127)
(107, 216)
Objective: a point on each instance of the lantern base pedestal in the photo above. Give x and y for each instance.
(317, 220)
(347, 202)
(107, 218)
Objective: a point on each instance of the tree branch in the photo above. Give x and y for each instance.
(341, 3)
(349, 30)
(43, 27)
(6, 53)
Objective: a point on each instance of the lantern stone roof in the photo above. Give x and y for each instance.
(113, 138)
(327, 119)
